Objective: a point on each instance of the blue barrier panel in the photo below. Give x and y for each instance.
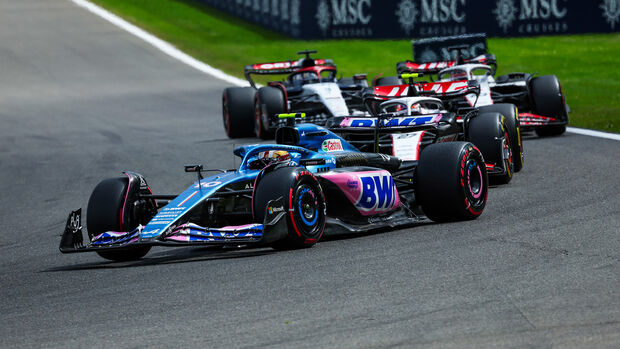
(326, 19)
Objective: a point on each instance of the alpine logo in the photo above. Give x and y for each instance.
(378, 193)
(330, 145)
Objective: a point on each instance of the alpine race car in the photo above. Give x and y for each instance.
(310, 87)
(283, 196)
(539, 98)
(413, 121)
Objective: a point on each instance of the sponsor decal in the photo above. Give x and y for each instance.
(406, 13)
(435, 17)
(276, 65)
(378, 192)
(173, 208)
(505, 13)
(533, 16)
(611, 11)
(249, 185)
(405, 121)
(344, 18)
(330, 145)
(208, 184)
(406, 146)
(295, 4)
(273, 210)
(352, 184)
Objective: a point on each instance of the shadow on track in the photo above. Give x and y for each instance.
(178, 255)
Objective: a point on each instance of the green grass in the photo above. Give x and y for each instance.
(587, 65)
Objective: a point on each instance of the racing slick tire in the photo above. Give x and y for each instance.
(488, 131)
(238, 111)
(108, 210)
(451, 181)
(509, 111)
(388, 81)
(269, 101)
(546, 93)
(304, 205)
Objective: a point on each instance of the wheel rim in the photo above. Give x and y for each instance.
(474, 179)
(507, 153)
(307, 206)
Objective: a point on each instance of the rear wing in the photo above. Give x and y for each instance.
(276, 68)
(446, 91)
(435, 67)
(431, 55)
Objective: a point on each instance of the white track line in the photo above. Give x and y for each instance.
(599, 134)
(160, 44)
(207, 69)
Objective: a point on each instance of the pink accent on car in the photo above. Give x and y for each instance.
(371, 192)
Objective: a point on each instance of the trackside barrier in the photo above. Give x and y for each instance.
(324, 19)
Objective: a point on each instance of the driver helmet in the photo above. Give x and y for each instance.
(268, 157)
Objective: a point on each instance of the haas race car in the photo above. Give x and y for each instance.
(283, 196)
(310, 87)
(471, 82)
(403, 126)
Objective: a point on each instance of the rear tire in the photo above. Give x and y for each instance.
(269, 102)
(238, 111)
(488, 132)
(304, 205)
(511, 116)
(109, 211)
(546, 93)
(451, 182)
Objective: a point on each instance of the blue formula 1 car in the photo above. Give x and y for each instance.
(284, 196)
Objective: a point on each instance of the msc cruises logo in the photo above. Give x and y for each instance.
(505, 13)
(611, 11)
(406, 13)
(530, 11)
(348, 13)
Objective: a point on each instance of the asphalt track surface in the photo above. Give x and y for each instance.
(81, 100)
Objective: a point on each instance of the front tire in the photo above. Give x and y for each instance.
(548, 99)
(304, 204)
(111, 208)
(451, 182)
(511, 117)
(488, 132)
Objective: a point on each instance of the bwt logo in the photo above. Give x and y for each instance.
(378, 193)
(393, 122)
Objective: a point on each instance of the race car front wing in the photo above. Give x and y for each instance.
(272, 229)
